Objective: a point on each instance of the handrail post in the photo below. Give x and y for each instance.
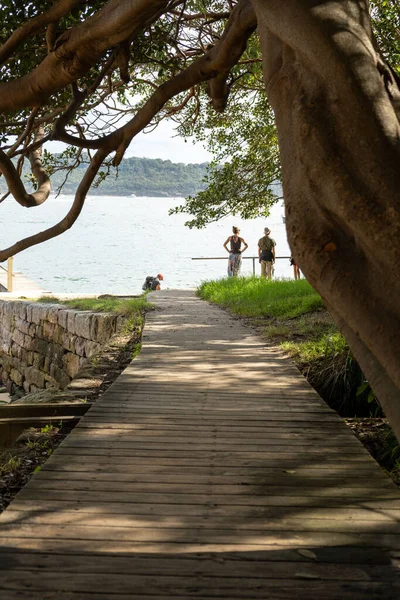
(254, 266)
(9, 274)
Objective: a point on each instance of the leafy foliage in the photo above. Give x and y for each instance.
(244, 185)
(385, 15)
(244, 139)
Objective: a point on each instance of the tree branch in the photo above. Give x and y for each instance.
(25, 133)
(218, 60)
(213, 16)
(52, 15)
(70, 217)
(78, 49)
(245, 18)
(14, 181)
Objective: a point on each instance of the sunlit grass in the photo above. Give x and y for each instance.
(322, 347)
(127, 307)
(254, 296)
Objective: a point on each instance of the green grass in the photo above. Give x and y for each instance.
(321, 347)
(129, 307)
(314, 325)
(9, 465)
(257, 297)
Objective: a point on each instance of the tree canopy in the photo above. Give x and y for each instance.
(93, 75)
(129, 77)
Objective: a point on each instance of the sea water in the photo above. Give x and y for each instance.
(117, 241)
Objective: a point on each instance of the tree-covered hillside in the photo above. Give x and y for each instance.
(139, 176)
(142, 177)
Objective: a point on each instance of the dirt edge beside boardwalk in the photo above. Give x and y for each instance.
(34, 446)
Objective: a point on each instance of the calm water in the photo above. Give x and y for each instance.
(117, 241)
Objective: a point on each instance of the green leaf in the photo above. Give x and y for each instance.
(364, 386)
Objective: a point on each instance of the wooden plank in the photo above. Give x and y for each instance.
(320, 471)
(76, 547)
(373, 501)
(211, 479)
(195, 421)
(191, 403)
(169, 426)
(217, 457)
(189, 489)
(132, 430)
(219, 461)
(375, 591)
(219, 413)
(139, 379)
(260, 567)
(103, 508)
(266, 445)
(243, 522)
(143, 586)
(292, 464)
(150, 535)
(92, 433)
(274, 452)
(277, 497)
(291, 401)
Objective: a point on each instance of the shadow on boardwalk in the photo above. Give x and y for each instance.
(209, 469)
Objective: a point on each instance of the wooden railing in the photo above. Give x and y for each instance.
(253, 258)
(9, 272)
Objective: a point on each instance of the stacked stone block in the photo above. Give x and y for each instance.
(44, 345)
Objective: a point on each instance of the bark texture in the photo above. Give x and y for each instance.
(336, 112)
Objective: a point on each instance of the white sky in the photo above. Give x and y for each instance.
(160, 143)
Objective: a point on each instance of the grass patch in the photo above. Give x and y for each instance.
(46, 300)
(136, 350)
(310, 326)
(126, 307)
(9, 465)
(255, 297)
(317, 349)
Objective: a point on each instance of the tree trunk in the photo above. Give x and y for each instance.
(335, 104)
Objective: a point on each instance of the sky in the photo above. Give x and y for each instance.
(162, 143)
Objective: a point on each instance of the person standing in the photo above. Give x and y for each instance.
(235, 252)
(266, 253)
(296, 268)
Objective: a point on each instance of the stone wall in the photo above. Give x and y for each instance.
(44, 345)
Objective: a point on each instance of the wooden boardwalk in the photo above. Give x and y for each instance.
(210, 469)
(21, 285)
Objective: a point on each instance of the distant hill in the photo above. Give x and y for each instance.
(139, 176)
